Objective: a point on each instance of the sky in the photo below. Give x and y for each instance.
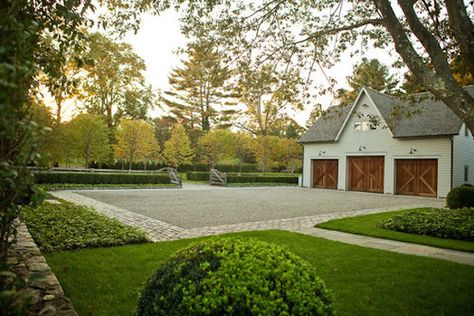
(159, 37)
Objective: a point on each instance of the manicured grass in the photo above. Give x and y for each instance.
(368, 225)
(76, 186)
(365, 281)
(68, 226)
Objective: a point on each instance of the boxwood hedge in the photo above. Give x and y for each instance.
(442, 223)
(198, 166)
(246, 178)
(100, 178)
(460, 197)
(231, 276)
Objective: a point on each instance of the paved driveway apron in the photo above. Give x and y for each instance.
(197, 207)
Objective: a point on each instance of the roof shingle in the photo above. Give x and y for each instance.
(415, 116)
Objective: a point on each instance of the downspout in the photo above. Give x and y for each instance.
(302, 169)
(452, 161)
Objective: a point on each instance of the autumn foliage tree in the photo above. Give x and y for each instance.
(135, 142)
(177, 150)
(87, 138)
(217, 145)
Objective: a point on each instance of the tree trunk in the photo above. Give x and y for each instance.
(440, 82)
(463, 30)
(59, 105)
(240, 166)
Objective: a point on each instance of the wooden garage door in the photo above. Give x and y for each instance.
(366, 174)
(325, 173)
(417, 177)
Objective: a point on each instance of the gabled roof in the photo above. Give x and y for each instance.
(427, 116)
(326, 127)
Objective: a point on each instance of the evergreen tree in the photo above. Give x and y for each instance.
(368, 73)
(198, 96)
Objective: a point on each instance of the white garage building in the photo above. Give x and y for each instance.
(367, 147)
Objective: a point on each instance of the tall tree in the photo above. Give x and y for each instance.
(369, 73)
(136, 103)
(244, 145)
(267, 95)
(24, 26)
(135, 141)
(460, 73)
(317, 33)
(87, 137)
(45, 142)
(115, 85)
(177, 149)
(198, 97)
(217, 145)
(162, 128)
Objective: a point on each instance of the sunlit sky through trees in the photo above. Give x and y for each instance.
(159, 37)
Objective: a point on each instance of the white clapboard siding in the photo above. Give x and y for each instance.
(463, 155)
(379, 142)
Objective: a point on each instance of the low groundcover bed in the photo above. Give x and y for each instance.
(442, 223)
(67, 226)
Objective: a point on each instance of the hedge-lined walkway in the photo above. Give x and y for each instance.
(391, 245)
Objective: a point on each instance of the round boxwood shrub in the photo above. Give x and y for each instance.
(460, 197)
(231, 276)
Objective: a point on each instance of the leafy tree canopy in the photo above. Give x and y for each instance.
(135, 141)
(309, 34)
(87, 137)
(177, 149)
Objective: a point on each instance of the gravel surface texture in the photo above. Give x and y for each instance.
(204, 206)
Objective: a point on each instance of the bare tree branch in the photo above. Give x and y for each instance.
(340, 29)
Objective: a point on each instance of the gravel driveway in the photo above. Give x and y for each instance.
(201, 206)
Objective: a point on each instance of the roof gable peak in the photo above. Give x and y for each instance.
(367, 91)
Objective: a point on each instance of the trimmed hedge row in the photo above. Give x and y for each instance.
(246, 178)
(262, 179)
(118, 165)
(442, 223)
(100, 178)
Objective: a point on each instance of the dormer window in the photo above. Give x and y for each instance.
(364, 126)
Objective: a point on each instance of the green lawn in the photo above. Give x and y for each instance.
(367, 225)
(106, 281)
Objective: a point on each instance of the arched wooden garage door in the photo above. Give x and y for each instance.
(325, 172)
(417, 177)
(366, 174)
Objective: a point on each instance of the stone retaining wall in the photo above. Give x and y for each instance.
(47, 294)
